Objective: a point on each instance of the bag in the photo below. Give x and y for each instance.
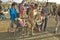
(22, 22)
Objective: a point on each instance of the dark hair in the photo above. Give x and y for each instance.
(36, 5)
(46, 2)
(42, 11)
(14, 3)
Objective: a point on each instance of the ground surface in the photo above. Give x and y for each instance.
(48, 35)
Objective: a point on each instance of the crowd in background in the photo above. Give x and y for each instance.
(31, 14)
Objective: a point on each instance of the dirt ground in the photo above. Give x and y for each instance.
(48, 35)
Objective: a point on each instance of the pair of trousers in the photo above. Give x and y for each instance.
(44, 23)
(12, 23)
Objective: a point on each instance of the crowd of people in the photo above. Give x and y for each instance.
(34, 19)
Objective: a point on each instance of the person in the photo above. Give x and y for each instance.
(57, 19)
(22, 9)
(31, 20)
(27, 7)
(42, 19)
(1, 13)
(54, 9)
(17, 9)
(39, 22)
(0, 7)
(20, 24)
(46, 11)
(35, 9)
(19, 6)
(13, 15)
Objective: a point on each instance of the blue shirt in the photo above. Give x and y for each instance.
(13, 13)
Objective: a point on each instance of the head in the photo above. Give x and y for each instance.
(14, 4)
(46, 4)
(35, 6)
(42, 13)
(23, 2)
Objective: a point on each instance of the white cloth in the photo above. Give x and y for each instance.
(35, 12)
(39, 22)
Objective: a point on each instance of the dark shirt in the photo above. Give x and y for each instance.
(59, 12)
(0, 7)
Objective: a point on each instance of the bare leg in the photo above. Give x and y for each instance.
(58, 23)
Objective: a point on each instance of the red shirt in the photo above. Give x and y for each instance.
(22, 9)
(30, 5)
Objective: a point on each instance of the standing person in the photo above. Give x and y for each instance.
(2, 16)
(39, 22)
(17, 9)
(0, 11)
(54, 9)
(46, 11)
(0, 7)
(57, 18)
(19, 6)
(27, 8)
(35, 9)
(22, 9)
(31, 20)
(13, 14)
